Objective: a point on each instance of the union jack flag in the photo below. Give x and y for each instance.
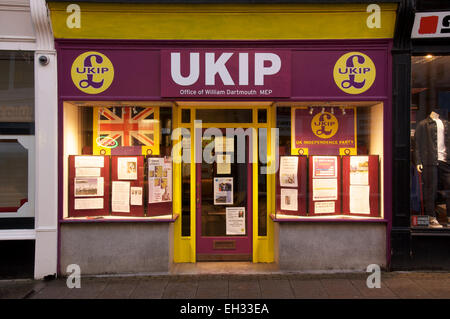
(128, 126)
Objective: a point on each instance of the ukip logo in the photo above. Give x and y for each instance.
(354, 73)
(324, 125)
(92, 72)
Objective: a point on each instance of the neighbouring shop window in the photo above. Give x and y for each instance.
(262, 185)
(430, 142)
(117, 160)
(330, 161)
(16, 139)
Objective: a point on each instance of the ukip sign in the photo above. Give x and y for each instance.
(331, 131)
(225, 73)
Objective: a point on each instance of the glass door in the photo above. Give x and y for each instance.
(224, 199)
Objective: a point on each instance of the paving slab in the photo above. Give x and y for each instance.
(406, 288)
(308, 289)
(55, 289)
(437, 288)
(340, 289)
(180, 289)
(212, 289)
(15, 290)
(118, 289)
(373, 293)
(150, 289)
(276, 289)
(90, 288)
(244, 289)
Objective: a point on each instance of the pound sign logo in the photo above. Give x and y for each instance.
(324, 125)
(92, 72)
(354, 73)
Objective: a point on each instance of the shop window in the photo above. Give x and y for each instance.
(16, 92)
(430, 142)
(186, 116)
(117, 160)
(262, 185)
(262, 116)
(16, 140)
(330, 161)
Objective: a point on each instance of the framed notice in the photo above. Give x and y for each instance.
(127, 168)
(288, 171)
(159, 180)
(289, 199)
(235, 220)
(324, 167)
(223, 191)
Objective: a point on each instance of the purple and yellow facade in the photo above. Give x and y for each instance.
(275, 56)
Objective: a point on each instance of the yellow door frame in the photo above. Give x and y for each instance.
(185, 246)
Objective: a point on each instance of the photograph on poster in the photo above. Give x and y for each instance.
(159, 180)
(223, 191)
(325, 189)
(88, 203)
(136, 196)
(89, 161)
(325, 167)
(127, 168)
(120, 199)
(88, 186)
(223, 164)
(235, 220)
(359, 170)
(360, 199)
(289, 199)
(288, 171)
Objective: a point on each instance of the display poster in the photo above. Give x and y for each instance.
(288, 171)
(235, 220)
(325, 189)
(223, 164)
(120, 201)
(289, 199)
(324, 131)
(359, 170)
(136, 196)
(88, 203)
(324, 207)
(359, 199)
(223, 191)
(88, 186)
(89, 161)
(159, 180)
(87, 172)
(224, 144)
(127, 168)
(324, 167)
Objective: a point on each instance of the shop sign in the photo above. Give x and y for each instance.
(92, 72)
(327, 132)
(225, 73)
(431, 25)
(354, 73)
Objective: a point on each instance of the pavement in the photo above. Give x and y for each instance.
(394, 285)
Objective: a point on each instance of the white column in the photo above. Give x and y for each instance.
(46, 132)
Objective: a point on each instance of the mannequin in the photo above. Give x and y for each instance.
(433, 161)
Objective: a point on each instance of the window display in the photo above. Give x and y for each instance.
(339, 150)
(430, 156)
(112, 162)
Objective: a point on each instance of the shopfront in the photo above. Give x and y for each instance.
(203, 142)
(422, 223)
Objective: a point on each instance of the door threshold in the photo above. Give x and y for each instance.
(223, 267)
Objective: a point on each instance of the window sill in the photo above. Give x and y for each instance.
(321, 219)
(121, 219)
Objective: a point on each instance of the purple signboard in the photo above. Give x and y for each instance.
(340, 70)
(225, 73)
(327, 131)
